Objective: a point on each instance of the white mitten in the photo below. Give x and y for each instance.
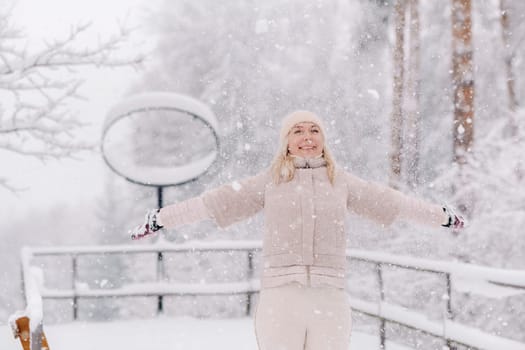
(455, 221)
(151, 225)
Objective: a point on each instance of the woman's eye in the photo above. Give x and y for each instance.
(297, 131)
(315, 131)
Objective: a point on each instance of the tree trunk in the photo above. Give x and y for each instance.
(413, 93)
(463, 79)
(506, 35)
(396, 123)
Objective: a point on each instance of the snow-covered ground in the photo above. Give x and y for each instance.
(165, 333)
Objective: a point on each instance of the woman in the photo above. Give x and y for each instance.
(305, 197)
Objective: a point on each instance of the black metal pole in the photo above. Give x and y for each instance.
(159, 197)
(160, 277)
(160, 257)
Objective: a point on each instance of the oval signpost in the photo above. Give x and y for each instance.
(127, 123)
(179, 106)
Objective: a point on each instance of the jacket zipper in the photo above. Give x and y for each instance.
(308, 276)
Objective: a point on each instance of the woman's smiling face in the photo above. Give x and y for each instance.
(305, 140)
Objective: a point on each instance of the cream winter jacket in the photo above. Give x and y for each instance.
(304, 237)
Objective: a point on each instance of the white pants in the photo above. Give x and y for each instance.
(295, 317)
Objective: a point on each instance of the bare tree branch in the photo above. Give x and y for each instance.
(13, 189)
(35, 118)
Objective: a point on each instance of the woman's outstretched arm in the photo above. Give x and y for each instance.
(386, 205)
(225, 205)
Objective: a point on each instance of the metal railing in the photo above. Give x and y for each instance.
(451, 332)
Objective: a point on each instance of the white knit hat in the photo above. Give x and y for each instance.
(295, 118)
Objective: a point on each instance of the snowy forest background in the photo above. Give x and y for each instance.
(253, 62)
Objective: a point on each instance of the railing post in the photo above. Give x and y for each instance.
(249, 275)
(449, 314)
(74, 273)
(382, 334)
(160, 278)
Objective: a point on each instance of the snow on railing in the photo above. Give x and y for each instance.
(504, 277)
(28, 324)
(511, 281)
(32, 281)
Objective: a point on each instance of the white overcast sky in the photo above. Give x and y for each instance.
(71, 180)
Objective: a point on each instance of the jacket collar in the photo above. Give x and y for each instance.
(316, 162)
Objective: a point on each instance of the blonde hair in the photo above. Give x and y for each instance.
(283, 168)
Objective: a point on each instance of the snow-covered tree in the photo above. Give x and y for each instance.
(494, 176)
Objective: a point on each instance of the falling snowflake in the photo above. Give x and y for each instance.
(236, 186)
